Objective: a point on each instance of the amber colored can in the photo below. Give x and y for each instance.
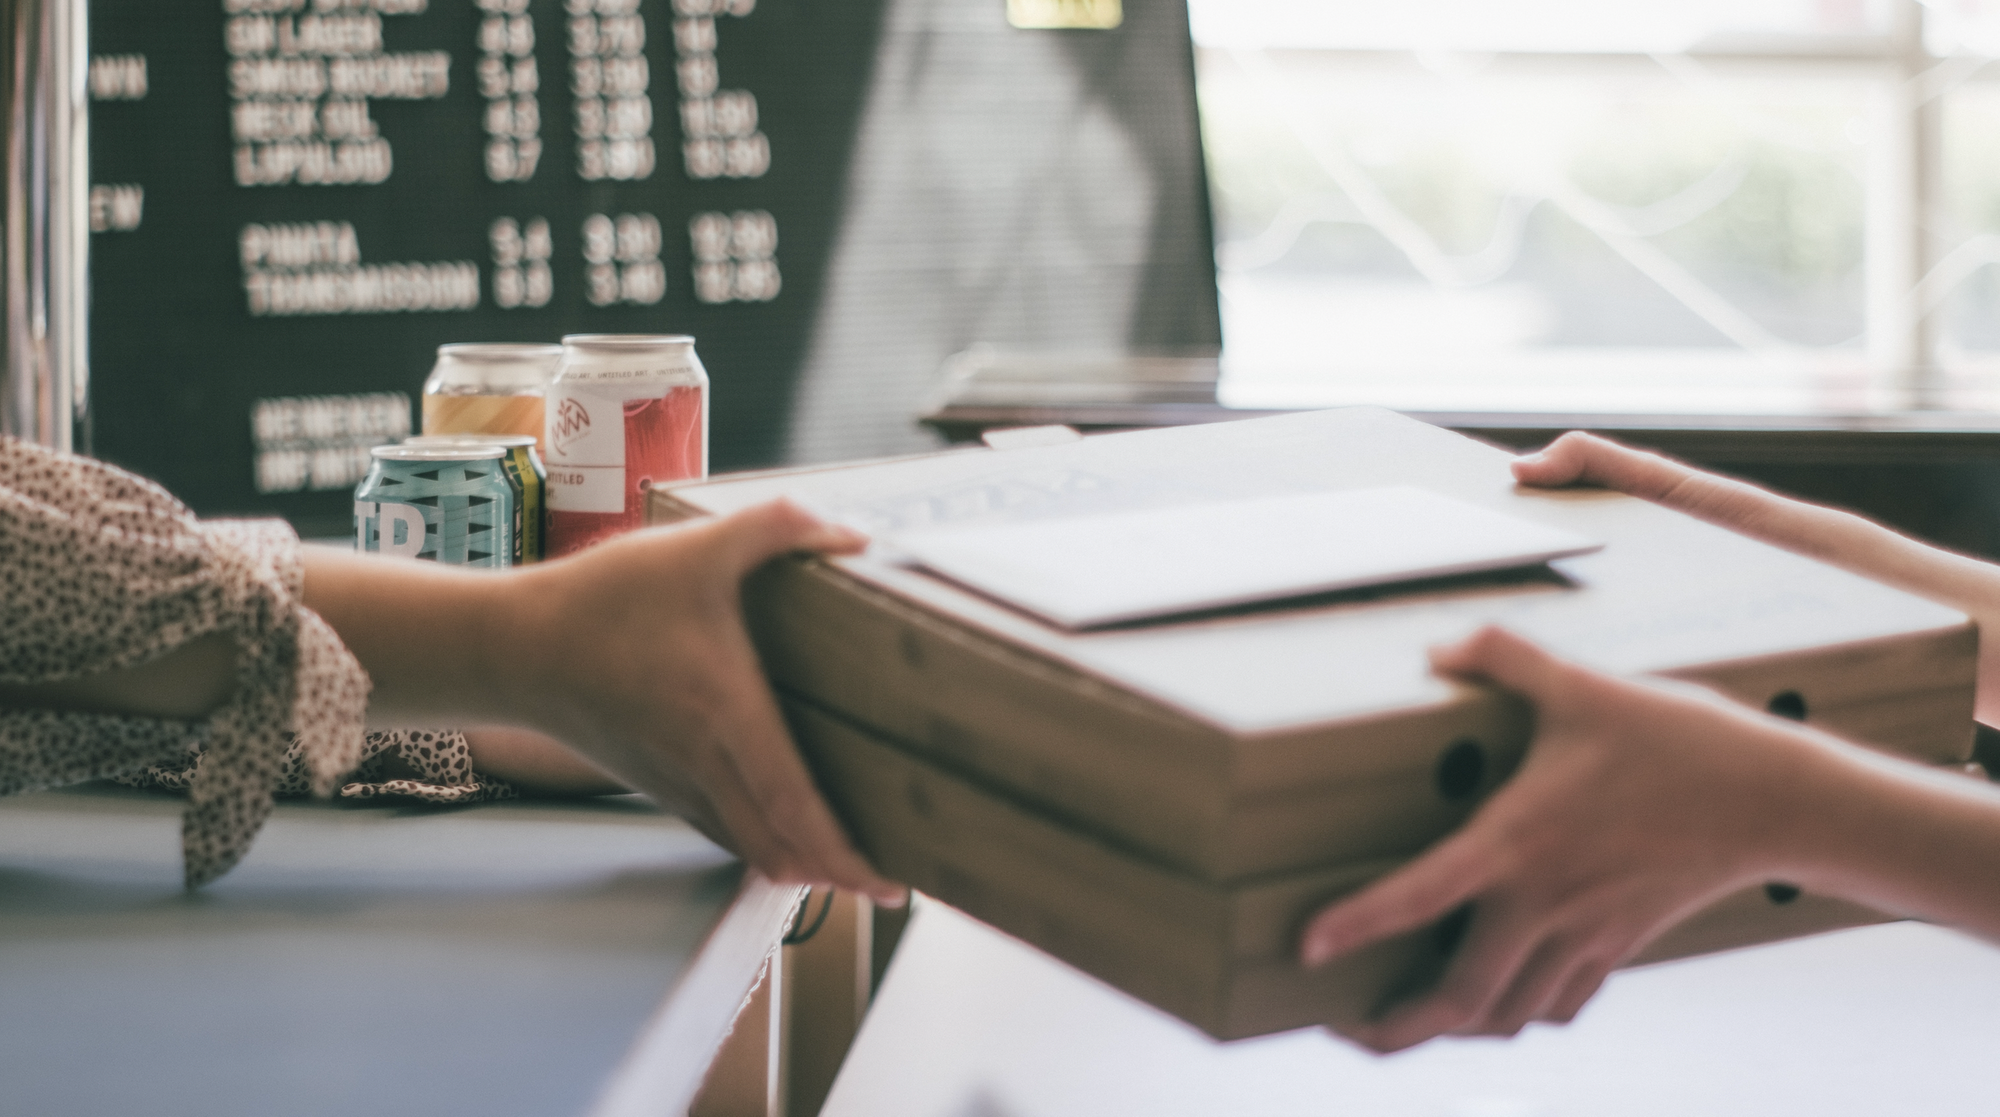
(489, 388)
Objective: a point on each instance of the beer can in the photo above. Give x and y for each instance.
(489, 388)
(626, 412)
(524, 472)
(440, 504)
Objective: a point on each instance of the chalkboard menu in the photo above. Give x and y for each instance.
(294, 202)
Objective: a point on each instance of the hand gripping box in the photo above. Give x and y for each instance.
(1222, 956)
(1255, 762)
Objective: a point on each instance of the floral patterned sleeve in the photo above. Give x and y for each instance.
(100, 570)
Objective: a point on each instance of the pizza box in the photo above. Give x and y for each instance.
(1262, 739)
(1221, 956)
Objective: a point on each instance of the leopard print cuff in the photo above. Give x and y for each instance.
(101, 570)
(431, 766)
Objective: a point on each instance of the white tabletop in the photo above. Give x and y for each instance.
(504, 959)
(1895, 1019)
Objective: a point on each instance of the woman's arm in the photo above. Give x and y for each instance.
(535, 763)
(1839, 538)
(190, 682)
(185, 684)
(1639, 804)
(633, 653)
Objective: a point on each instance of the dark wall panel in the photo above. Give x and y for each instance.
(187, 338)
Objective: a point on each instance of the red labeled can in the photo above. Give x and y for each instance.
(625, 412)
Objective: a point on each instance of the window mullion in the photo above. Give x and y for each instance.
(1902, 198)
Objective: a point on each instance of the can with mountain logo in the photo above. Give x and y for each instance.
(626, 412)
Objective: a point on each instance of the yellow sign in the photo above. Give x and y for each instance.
(1089, 15)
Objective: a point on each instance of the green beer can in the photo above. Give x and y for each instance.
(524, 470)
(452, 504)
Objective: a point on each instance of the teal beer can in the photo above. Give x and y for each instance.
(442, 504)
(524, 470)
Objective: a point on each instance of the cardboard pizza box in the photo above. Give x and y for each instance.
(1264, 740)
(1222, 957)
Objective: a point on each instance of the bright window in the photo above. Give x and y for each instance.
(1606, 205)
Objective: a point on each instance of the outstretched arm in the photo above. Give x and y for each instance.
(632, 652)
(1639, 804)
(535, 763)
(1839, 538)
(185, 684)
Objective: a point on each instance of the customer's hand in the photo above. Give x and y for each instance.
(651, 673)
(632, 652)
(1839, 538)
(1847, 540)
(1638, 804)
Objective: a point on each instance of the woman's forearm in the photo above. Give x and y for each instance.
(1833, 536)
(185, 684)
(536, 763)
(1903, 839)
(632, 652)
(1638, 805)
(437, 641)
(441, 644)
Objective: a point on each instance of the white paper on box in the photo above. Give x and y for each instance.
(1089, 571)
(585, 437)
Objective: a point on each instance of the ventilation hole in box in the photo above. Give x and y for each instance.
(1788, 704)
(1781, 893)
(919, 800)
(1461, 769)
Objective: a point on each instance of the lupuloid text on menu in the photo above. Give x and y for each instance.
(556, 133)
(304, 77)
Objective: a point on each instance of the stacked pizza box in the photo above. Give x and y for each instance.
(1164, 803)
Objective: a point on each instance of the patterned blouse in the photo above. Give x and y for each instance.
(101, 570)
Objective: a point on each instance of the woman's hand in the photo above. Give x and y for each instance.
(1638, 805)
(650, 672)
(632, 652)
(1578, 458)
(1839, 538)
(1641, 802)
